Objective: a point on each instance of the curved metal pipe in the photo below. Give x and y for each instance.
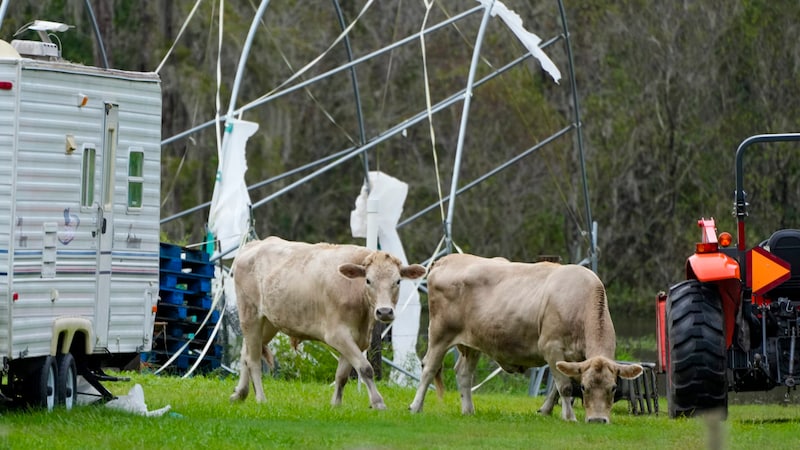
(3, 8)
(243, 57)
(97, 34)
(578, 127)
(448, 225)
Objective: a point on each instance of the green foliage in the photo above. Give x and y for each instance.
(312, 361)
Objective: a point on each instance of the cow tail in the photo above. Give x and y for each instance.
(439, 383)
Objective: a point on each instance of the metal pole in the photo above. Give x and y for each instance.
(97, 34)
(356, 95)
(462, 131)
(3, 7)
(579, 135)
(243, 57)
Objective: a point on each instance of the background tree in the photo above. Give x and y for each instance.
(667, 91)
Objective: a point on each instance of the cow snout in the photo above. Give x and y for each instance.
(597, 419)
(384, 314)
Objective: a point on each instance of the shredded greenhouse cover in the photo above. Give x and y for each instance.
(133, 402)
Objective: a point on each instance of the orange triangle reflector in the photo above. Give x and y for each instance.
(765, 270)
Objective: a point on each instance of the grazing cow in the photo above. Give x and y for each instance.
(324, 292)
(523, 315)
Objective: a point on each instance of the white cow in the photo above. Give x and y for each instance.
(523, 315)
(324, 292)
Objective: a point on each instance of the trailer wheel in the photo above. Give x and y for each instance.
(41, 391)
(696, 366)
(67, 380)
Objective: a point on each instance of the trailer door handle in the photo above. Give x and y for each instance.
(102, 229)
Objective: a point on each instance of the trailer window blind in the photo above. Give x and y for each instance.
(87, 176)
(135, 177)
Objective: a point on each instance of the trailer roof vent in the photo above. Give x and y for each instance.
(36, 49)
(45, 49)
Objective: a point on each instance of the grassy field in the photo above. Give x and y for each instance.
(297, 415)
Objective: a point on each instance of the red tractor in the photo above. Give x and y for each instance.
(734, 323)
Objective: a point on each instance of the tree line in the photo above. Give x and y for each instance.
(666, 92)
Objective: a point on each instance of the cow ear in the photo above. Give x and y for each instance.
(413, 271)
(570, 369)
(629, 371)
(351, 270)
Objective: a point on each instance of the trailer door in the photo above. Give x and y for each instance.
(105, 216)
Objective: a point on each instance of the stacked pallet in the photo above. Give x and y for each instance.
(185, 302)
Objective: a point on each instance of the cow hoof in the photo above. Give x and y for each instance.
(235, 397)
(379, 406)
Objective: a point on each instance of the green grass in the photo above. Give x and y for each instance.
(298, 415)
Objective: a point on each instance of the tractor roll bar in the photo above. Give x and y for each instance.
(741, 197)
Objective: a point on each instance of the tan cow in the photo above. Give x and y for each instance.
(523, 315)
(324, 292)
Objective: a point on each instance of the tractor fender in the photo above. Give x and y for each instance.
(708, 267)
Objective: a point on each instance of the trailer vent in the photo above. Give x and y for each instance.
(36, 49)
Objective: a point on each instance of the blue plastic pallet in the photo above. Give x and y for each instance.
(170, 311)
(171, 295)
(199, 301)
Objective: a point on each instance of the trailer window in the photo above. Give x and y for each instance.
(135, 177)
(87, 175)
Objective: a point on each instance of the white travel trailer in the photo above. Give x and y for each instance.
(80, 155)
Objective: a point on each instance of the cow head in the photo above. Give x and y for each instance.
(382, 273)
(598, 379)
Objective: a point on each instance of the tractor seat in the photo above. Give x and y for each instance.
(785, 244)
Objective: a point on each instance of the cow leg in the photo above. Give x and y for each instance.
(256, 335)
(243, 387)
(554, 351)
(465, 368)
(431, 364)
(549, 401)
(564, 387)
(342, 375)
(347, 348)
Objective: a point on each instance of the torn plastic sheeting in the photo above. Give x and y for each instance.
(531, 41)
(134, 403)
(391, 194)
(229, 217)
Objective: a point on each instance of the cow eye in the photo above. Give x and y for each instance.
(583, 388)
(398, 282)
(369, 282)
(614, 388)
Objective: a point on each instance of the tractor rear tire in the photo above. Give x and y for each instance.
(696, 366)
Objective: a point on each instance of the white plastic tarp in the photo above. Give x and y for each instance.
(229, 217)
(531, 41)
(390, 194)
